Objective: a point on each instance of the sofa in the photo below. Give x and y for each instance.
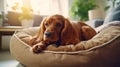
(12, 19)
(113, 15)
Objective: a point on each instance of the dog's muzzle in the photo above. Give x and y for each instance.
(48, 34)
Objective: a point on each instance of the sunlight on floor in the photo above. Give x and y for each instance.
(6, 60)
(9, 63)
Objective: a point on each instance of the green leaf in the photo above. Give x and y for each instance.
(80, 8)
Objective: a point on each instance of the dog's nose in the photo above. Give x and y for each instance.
(48, 34)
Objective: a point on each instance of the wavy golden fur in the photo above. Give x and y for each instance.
(58, 30)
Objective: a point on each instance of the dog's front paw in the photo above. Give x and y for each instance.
(38, 48)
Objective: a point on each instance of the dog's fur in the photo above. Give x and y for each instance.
(58, 30)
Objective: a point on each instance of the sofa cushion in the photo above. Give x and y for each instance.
(13, 19)
(104, 26)
(114, 15)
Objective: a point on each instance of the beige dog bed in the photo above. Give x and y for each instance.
(100, 51)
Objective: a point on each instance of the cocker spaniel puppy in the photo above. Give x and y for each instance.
(58, 30)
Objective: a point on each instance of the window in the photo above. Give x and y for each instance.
(42, 7)
(12, 4)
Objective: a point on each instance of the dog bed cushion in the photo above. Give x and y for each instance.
(100, 51)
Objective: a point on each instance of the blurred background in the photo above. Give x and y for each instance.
(13, 11)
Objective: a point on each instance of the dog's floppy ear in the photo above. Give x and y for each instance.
(40, 33)
(68, 34)
(39, 36)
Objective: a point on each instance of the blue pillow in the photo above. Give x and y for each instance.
(114, 15)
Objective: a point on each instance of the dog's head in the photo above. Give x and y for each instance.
(56, 28)
(53, 26)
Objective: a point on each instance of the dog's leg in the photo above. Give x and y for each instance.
(32, 41)
(87, 32)
(37, 48)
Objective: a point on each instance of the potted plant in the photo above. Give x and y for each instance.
(80, 8)
(26, 17)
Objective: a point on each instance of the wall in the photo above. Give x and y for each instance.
(101, 4)
(1, 5)
(5, 42)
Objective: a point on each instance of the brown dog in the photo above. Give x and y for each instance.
(58, 30)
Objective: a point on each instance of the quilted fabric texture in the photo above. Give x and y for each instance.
(100, 51)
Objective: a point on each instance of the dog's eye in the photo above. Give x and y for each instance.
(46, 24)
(58, 25)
